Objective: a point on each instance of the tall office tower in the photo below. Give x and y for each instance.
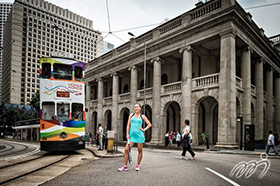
(4, 11)
(34, 29)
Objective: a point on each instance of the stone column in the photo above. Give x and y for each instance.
(100, 101)
(277, 110)
(186, 110)
(115, 97)
(246, 85)
(133, 86)
(88, 124)
(156, 98)
(227, 92)
(259, 129)
(38, 134)
(269, 97)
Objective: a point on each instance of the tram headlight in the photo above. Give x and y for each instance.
(63, 135)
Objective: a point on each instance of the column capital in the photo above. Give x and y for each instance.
(157, 59)
(260, 60)
(133, 68)
(228, 33)
(99, 79)
(271, 69)
(114, 74)
(248, 49)
(188, 48)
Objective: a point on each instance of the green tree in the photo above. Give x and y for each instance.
(35, 102)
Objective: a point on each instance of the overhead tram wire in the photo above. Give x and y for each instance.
(261, 6)
(108, 16)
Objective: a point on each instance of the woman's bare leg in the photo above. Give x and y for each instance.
(140, 152)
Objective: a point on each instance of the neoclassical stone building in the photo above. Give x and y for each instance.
(210, 65)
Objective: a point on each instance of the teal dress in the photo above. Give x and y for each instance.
(135, 134)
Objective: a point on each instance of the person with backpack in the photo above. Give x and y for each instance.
(135, 134)
(186, 140)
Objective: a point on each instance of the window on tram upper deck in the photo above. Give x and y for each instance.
(48, 110)
(46, 70)
(63, 111)
(78, 71)
(62, 71)
(77, 112)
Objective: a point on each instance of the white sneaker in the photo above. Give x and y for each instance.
(137, 168)
(123, 168)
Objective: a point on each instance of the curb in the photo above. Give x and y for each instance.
(105, 155)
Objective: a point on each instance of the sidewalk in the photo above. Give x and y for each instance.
(103, 153)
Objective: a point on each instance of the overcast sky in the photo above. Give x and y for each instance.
(125, 14)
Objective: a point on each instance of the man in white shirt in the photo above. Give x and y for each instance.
(101, 131)
(270, 143)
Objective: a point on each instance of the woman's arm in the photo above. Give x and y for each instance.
(148, 122)
(128, 126)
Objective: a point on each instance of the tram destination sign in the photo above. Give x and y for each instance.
(63, 94)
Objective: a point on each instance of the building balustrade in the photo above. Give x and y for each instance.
(171, 87)
(206, 9)
(124, 96)
(149, 91)
(239, 82)
(107, 100)
(205, 81)
(93, 103)
(275, 39)
(170, 26)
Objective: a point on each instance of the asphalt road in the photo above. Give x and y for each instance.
(163, 167)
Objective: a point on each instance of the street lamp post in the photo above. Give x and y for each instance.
(145, 66)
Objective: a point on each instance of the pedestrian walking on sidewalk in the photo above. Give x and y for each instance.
(178, 138)
(166, 139)
(135, 134)
(101, 133)
(186, 138)
(105, 139)
(170, 137)
(270, 143)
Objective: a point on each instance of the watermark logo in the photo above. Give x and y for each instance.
(248, 168)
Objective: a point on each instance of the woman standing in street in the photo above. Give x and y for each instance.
(135, 134)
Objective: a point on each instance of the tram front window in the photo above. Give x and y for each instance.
(48, 109)
(62, 71)
(46, 70)
(63, 111)
(78, 73)
(77, 111)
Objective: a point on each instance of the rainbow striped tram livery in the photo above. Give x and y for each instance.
(62, 104)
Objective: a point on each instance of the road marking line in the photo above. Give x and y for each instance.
(222, 176)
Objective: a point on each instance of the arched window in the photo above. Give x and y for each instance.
(142, 84)
(164, 79)
(125, 88)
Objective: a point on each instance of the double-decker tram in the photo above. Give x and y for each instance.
(62, 104)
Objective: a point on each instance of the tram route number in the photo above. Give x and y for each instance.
(63, 94)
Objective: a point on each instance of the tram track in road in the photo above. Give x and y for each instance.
(48, 166)
(17, 149)
(11, 149)
(12, 173)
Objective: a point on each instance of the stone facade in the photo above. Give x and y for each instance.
(210, 65)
